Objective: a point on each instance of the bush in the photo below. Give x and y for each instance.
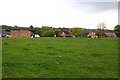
(39, 32)
(48, 33)
(76, 31)
(98, 34)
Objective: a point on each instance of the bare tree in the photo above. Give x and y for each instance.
(101, 26)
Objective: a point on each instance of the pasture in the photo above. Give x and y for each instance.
(59, 58)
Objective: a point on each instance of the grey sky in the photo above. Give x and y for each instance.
(95, 6)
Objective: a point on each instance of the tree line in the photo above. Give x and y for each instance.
(44, 31)
(47, 31)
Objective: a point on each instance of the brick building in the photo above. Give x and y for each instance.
(20, 33)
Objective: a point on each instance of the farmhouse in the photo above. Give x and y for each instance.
(20, 33)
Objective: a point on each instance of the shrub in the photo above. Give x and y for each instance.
(48, 33)
(98, 33)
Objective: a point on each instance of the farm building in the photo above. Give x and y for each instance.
(101, 34)
(110, 34)
(107, 35)
(21, 33)
(92, 35)
(61, 33)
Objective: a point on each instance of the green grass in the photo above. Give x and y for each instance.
(60, 58)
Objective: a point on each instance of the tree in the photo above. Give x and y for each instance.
(46, 27)
(31, 27)
(39, 32)
(98, 33)
(15, 26)
(117, 28)
(48, 33)
(76, 31)
(6, 28)
(101, 26)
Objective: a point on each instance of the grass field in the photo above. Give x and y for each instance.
(60, 58)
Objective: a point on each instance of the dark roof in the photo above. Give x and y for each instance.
(65, 31)
(109, 34)
(59, 32)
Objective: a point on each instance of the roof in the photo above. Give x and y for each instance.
(58, 33)
(109, 34)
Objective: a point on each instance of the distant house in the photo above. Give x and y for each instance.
(92, 35)
(20, 33)
(63, 33)
(101, 33)
(108, 34)
(86, 32)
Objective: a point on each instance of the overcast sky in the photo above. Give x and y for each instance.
(59, 13)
